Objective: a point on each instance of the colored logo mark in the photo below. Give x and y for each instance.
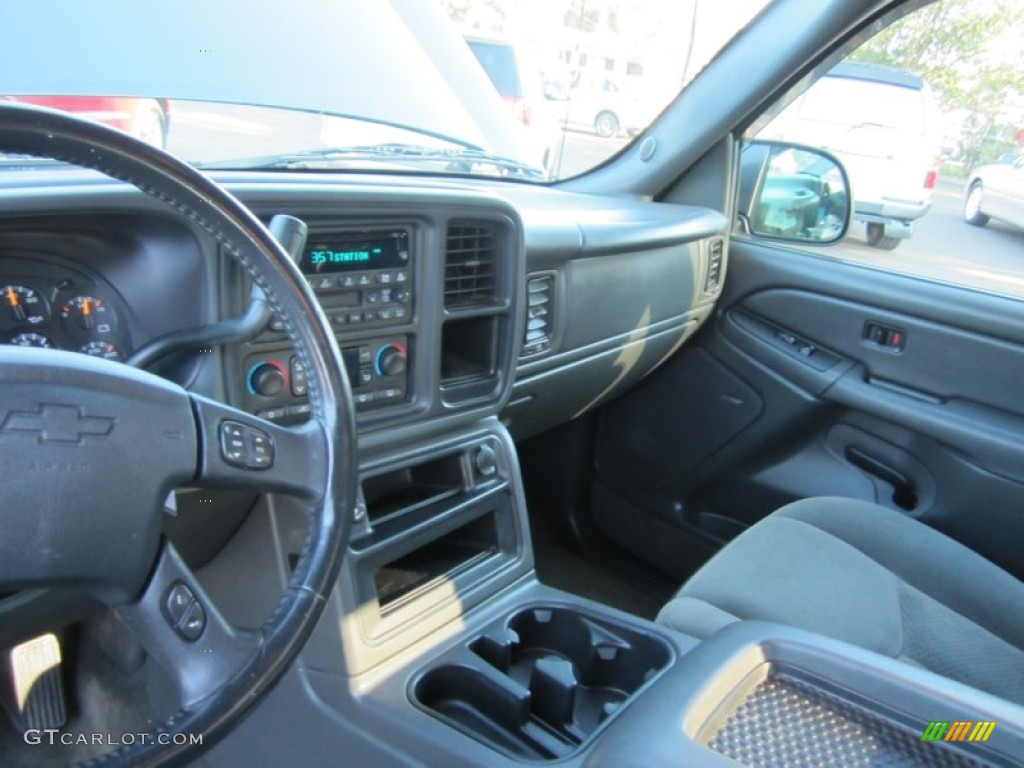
(958, 730)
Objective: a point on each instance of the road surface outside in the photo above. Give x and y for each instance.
(943, 247)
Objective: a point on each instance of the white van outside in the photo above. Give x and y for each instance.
(881, 122)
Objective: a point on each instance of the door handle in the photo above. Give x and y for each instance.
(904, 495)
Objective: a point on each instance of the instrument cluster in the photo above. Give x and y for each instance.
(61, 309)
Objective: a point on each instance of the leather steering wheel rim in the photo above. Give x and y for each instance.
(46, 133)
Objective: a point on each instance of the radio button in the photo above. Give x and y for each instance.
(302, 409)
(401, 276)
(355, 317)
(400, 313)
(324, 283)
(347, 281)
(363, 280)
(371, 297)
(272, 414)
(386, 314)
(384, 278)
(300, 387)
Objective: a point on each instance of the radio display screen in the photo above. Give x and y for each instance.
(354, 251)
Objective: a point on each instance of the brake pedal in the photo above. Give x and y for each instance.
(38, 686)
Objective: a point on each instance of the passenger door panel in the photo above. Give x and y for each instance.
(865, 383)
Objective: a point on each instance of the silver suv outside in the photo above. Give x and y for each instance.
(881, 123)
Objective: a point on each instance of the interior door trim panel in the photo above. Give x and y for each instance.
(942, 360)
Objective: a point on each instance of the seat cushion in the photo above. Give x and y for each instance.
(869, 576)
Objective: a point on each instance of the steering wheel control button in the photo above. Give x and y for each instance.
(261, 455)
(232, 443)
(246, 447)
(184, 612)
(177, 603)
(192, 626)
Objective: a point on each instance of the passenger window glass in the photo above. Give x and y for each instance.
(927, 118)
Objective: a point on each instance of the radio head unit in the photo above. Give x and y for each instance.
(356, 251)
(362, 277)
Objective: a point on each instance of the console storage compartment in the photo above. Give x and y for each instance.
(539, 684)
(777, 697)
(440, 558)
(436, 528)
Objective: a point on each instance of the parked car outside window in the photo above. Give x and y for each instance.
(881, 122)
(996, 191)
(146, 119)
(518, 88)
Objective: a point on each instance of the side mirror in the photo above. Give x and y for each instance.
(793, 193)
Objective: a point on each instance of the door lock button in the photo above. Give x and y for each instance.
(884, 336)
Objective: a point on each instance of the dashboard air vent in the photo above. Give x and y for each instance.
(470, 265)
(714, 278)
(540, 298)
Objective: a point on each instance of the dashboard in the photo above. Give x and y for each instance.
(450, 299)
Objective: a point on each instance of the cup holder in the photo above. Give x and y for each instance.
(539, 684)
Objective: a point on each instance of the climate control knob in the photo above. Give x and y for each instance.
(267, 379)
(391, 360)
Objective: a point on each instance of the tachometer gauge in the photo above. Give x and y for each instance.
(23, 306)
(103, 349)
(32, 340)
(88, 315)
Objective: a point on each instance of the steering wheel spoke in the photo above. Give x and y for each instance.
(238, 450)
(183, 631)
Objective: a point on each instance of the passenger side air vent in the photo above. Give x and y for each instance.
(470, 265)
(540, 317)
(714, 277)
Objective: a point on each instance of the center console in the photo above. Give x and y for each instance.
(440, 644)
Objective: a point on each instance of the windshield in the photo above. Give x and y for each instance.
(528, 90)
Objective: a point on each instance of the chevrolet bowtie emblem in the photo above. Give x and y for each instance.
(56, 423)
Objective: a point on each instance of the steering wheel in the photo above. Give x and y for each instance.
(91, 448)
